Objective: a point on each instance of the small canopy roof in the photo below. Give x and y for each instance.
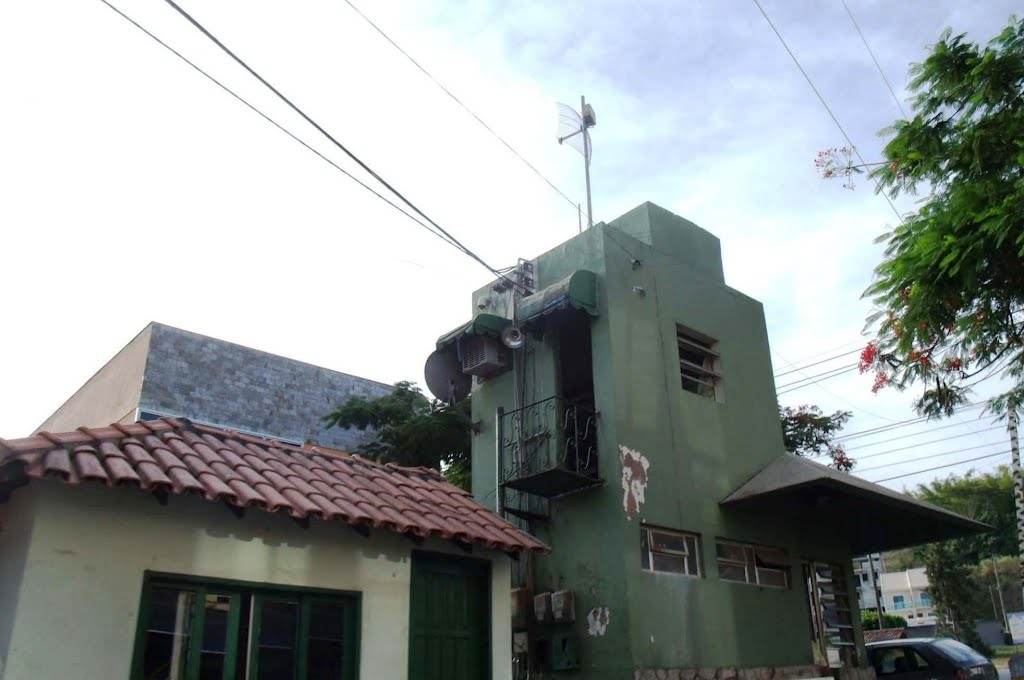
(576, 291)
(872, 517)
(482, 324)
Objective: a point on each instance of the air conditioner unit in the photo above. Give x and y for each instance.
(483, 356)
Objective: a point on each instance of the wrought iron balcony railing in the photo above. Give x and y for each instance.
(548, 448)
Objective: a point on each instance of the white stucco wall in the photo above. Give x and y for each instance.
(90, 546)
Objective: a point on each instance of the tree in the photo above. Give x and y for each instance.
(416, 431)
(412, 430)
(806, 431)
(986, 498)
(949, 292)
(957, 576)
(869, 620)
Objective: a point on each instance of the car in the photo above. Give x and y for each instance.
(928, 659)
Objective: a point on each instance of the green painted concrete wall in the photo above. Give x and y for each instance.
(698, 449)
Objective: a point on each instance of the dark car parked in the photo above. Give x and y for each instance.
(928, 659)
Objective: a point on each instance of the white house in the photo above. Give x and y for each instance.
(905, 593)
(166, 549)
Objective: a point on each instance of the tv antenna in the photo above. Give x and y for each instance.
(573, 127)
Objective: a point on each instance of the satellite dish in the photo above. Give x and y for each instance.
(444, 377)
(513, 337)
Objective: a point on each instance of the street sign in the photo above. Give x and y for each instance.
(1016, 621)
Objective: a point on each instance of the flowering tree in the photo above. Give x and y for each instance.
(806, 431)
(949, 293)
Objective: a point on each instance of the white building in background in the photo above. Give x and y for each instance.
(905, 593)
(862, 569)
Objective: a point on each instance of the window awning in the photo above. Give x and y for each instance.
(482, 324)
(871, 517)
(576, 291)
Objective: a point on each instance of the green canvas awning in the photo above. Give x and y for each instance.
(482, 324)
(576, 291)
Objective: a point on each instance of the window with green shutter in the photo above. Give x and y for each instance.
(214, 630)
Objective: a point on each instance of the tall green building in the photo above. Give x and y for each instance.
(626, 415)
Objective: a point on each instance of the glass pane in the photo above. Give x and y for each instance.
(674, 563)
(731, 573)
(772, 558)
(215, 634)
(692, 568)
(771, 577)
(325, 660)
(645, 555)
(276, 650)
(735, 553)
(663, 541)
(326, 620)
(168, 632)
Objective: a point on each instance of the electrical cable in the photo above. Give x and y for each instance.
(901, 423)
(919, 444)
(455, 242)
(794, 386)
(938, 467)
(816, 363)
(272, 121)
(821, 99)
(858, 447)
(928, 457)
(878, 66)
(830, 373)
(458, 101)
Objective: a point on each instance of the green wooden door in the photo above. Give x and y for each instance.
(449, 619)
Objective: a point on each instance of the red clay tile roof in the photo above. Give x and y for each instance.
(174, 456)
(884, 634)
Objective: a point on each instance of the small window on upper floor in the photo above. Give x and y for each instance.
(758, 565)
(669, 551)
(699, 363)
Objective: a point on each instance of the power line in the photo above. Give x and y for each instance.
(878, 66)
(939, 467)
(928, 457)
(922, 443)
(814, 379)
(455, 242)
(899, 424)
(827, 107)
(816, 363)
(960, 423)
(271, 120)
(458, 101)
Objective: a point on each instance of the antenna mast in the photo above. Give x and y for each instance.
(573, 124)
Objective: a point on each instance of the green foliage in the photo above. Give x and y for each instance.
(953, 591)
(949, 291)
(986, 498)
(869, 620)
(960, 571)
(806, 431)
(412, 430)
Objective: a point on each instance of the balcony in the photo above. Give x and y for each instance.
(548, 448)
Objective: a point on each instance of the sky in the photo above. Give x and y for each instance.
(132, 189)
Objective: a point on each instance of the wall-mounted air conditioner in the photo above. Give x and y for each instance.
(483, 356)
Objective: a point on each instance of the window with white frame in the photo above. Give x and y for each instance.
(663, 550)
(899, 602)
(758, 565)
(699, 363)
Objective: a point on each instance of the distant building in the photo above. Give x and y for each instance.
(862, 575)
(165, 371)
(905, 593)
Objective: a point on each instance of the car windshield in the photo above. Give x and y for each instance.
(960, 652)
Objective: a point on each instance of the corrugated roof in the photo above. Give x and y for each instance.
(175, 456)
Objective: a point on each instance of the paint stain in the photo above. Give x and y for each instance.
(634, 479)
(597, 621)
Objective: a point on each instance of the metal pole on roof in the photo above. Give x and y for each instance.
(586, 159)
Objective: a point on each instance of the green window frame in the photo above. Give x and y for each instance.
(208, 629)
